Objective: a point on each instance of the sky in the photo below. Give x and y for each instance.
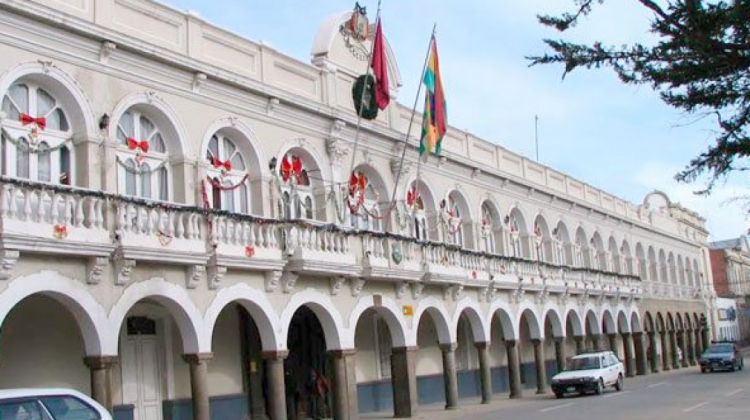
(620, 138)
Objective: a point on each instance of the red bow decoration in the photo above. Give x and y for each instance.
(40, 122)
(135, 144)
(357, 182)
(60, 231)
(227, 165)
(289, 169)
(411, 196)
(249, 251)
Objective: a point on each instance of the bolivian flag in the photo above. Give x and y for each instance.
(434, 120)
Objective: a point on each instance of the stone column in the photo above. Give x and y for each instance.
(666, 363)
(613, 344)
(654, 352)
(275, 384)
(689, 336)
(699, 341)
(404, 380)
(514, 369)
(101, 378)
(560, 353)
(685, 350)
(199, 384)
(596, 342)
(541, 368)
(641, 359)
(704, 338)
(450, 379)
(345, 405)
(579, 344)
(483, 349)
(673, 350)
(627, 345)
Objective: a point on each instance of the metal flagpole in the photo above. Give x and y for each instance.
(362, 99)
(411, 123)
(536, 135)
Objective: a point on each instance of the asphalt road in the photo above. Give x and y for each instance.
(685, 394)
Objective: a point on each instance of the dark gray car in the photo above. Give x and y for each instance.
(721, 356)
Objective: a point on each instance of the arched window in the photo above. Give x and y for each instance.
(453, 222)
(143, 157)
(39, 130)
(539, 242)
(228, 174)
(516, 250)
(296, 188)
(415, 207)
(362, 203)
(559, 246)
(487, 230)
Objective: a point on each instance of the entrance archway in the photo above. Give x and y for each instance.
(307, 370)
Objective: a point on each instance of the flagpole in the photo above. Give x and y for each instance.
(411, 121)
(362, 98)
(536, 135)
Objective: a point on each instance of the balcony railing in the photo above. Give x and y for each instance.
(45, 218)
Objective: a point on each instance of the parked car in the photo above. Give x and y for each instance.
(49, 404)
(722, 355)
(589, 372)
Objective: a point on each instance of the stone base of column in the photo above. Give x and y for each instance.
(275, 383)
(199, 384)
(101, 378)
(345, 404)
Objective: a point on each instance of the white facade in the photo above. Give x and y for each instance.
(168, 227)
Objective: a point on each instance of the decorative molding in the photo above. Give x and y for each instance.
(401, 289)
(416, 290)
(475, 173)
(9, 258)
(562, 299)
(198, 79)
(216, 273)
(396, 163)
(106, 50)
(95, 269)
(337, 149)
(272, 105)
(516, 296)
(123, 268)
(47, 66)
(336, 283)
(543, 295)
(357, 284)
(272, 279)
(289, 280)
(491, 292)
(195, 275)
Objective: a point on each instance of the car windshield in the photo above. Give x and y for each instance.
(720, 348)
(583, 363)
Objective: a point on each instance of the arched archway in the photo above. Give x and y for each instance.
(507, 376)
(436, 343)
(554, 332)
(531, 350)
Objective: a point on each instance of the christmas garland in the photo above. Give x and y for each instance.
(26, 146)
(365, 105)
(299, 223)
(220, 187)
(138, 171)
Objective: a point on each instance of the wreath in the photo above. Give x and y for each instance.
(363, 95)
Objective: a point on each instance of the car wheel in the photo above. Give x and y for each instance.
(711, 370)
(703, 370)
(600, 387)
(559, 394)
(620, 384)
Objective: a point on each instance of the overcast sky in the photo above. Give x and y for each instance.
(619, 138)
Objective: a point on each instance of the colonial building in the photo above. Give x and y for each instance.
(730, 264)
(192, 223)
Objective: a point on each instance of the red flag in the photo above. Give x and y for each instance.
(380, 70)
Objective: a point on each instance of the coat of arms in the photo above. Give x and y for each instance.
(356, 31)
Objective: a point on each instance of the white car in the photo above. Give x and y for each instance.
(49, 404)
(589, 372)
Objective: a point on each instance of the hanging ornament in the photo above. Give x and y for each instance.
(226, 165)
(164, 239)
(142, 147)
(60, 231)
(40, 122)
(363, 95)
(249, 251)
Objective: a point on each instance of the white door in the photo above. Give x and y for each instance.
(141, 376)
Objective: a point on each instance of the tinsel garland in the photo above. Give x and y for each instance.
(34, 150)
(218, 186)
(138, 171)
(299, 223)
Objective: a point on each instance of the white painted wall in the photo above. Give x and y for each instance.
(225, 369)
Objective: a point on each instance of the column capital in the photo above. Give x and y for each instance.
(448, 347)
(482, 344)
(626, 334)
(100, 362)
(404, 349)
(612, 335)
(509, 343)
(274, 354)
(537, 341)
(338, 353)
(196, 358)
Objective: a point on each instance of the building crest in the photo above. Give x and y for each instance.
(356, 31)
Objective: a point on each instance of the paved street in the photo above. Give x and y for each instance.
(685, 394)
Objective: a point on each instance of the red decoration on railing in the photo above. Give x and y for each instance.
(40, 122)
(411, 196)
(249, 251)
(60, 231)
(135, 144)
(225, 165)
(291, 169)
